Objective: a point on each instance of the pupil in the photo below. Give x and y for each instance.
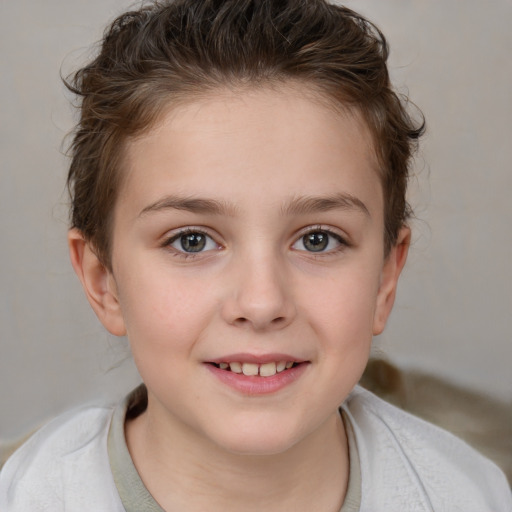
(316, 241)
(193, 242)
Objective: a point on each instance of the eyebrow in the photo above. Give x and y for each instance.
(296, 206)
(190, 204)
(314, 204)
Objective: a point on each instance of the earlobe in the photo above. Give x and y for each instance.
(98, 283)
(392, 268)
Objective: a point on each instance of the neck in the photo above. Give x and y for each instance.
(185, 472)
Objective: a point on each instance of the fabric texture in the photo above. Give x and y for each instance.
(132, 491)
(405, 464)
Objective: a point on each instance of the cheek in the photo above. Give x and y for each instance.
(343, 308)
(164, 311)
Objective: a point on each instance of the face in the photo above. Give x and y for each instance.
(248, 266)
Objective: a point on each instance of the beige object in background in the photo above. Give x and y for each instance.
(483, 422)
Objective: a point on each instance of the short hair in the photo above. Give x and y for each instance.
(173, 51)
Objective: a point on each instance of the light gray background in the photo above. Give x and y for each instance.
(453, 314)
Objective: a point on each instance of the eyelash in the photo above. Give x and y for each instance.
(300, 239)
(184, 232)
(342, 242)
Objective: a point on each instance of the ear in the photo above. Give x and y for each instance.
(98, 282)
(391, 270)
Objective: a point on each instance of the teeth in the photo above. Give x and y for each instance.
(268, 369)
(250, 369)
(253, 369)
(235, 367)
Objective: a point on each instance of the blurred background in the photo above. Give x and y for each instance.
(453, 313)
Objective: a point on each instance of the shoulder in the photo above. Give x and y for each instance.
(405, 461)
(62, 467)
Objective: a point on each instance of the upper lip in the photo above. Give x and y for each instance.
(256, 358)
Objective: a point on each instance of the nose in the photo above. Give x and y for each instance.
(260, 295)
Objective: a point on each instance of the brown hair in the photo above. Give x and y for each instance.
(170, 51)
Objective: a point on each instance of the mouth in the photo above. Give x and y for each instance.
(257, 375)
(267, 369)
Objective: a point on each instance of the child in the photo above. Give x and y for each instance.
(238, 211)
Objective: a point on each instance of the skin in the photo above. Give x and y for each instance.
(261, 155)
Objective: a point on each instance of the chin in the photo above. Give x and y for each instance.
(258, 441)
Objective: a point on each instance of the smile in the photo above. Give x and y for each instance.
(252, 374)
(253, 369)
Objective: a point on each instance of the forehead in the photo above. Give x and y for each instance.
(267, 141)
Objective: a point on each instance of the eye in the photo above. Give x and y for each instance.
(319, 240)
(192, 242)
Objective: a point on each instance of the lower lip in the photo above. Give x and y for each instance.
(253, 385)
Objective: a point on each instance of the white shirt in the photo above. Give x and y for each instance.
(406, 464)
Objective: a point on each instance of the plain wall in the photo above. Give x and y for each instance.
(454, 308)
